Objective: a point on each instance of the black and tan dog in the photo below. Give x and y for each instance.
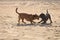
(44, 17)
(28, 17)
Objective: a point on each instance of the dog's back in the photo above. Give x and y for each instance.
(23, 15)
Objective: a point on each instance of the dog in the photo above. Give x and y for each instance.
(28, 17)
(44, 18)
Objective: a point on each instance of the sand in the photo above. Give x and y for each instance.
(9, 30)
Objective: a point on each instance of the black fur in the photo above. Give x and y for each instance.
(44, 18)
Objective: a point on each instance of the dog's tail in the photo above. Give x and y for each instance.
(17, 11)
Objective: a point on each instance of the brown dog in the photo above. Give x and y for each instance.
(28, 17)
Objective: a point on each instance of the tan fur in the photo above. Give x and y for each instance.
(28, 17)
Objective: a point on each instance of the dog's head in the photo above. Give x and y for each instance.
(42, 15)
(36, 16)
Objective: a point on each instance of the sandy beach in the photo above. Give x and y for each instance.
(9, 30)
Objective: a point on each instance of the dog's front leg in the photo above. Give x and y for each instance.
(31, 22)
(34, 22)
(40, 21)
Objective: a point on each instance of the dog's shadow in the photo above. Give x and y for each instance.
(46, 25)
(24, 24)
(35, 25)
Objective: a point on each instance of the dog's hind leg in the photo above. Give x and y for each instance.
(50, 20)
(23, 21)
(18, 20)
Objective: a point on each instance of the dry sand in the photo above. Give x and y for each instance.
(9, 30)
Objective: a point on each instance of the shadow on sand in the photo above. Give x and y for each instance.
(47, 25)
